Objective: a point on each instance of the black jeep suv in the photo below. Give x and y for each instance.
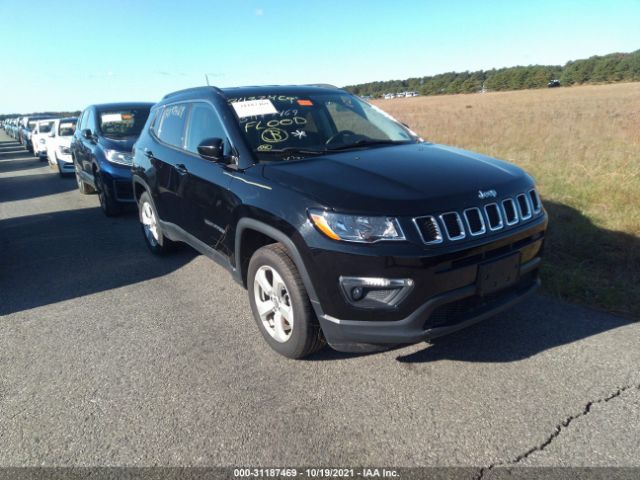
(343, 224)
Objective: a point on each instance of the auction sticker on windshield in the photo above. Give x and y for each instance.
(252, 108)
(111, 117)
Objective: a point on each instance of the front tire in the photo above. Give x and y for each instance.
(83, 187)
(280, 303)
(110, 207)
(150, 221)
(60, 171)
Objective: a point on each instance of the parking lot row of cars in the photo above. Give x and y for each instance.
(344, 225)
(48, 138)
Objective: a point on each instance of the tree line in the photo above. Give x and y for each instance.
(615, 67)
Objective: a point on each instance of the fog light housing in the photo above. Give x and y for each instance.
(374, 292)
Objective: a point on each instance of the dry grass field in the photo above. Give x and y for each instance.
(582, 145)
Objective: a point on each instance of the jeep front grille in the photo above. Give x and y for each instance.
(494, 216)
(523, 206)
(429, 229)
(535, 201)
(474, 221)
(510, 214)
(453, 225)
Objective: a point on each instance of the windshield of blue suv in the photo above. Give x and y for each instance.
(123, 123)
(282, 126)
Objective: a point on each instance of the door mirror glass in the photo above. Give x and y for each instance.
(86, 133)
(212, 149)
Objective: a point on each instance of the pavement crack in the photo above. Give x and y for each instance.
(556, 432)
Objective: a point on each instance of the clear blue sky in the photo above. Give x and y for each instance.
(65, 55)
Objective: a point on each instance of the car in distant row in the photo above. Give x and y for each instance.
(389, 96)
(59, 145)
(49, 138)
(10, 126)
(39, 135)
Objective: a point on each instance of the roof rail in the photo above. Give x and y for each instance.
(192, 89)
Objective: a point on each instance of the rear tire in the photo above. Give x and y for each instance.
(151, 229)
(280, 304)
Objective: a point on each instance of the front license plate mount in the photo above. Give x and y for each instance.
(498, 274)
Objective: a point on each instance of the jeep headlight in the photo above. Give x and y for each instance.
(116, 156)
(356, 228)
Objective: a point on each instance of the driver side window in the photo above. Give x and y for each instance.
(203, 124)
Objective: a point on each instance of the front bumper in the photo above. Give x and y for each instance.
(446, 297)
(438, 316)
(117, 179)
(65, 162)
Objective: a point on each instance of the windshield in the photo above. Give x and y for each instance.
(67, 128)
(123, 123)
(31, 124)
(311, 124)
(45, 127)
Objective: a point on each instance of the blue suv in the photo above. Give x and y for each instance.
(101, 149)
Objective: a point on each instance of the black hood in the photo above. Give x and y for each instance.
(400, 180)
(121, 144)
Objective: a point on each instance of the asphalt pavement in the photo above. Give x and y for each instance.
(111, 356)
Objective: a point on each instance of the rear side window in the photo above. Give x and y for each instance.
(171, 125)
(203, 124)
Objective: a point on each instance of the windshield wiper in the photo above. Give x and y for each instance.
(292, 151)
(367, 143)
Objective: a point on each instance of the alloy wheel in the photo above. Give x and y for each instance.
(273, 303)
(149, 223)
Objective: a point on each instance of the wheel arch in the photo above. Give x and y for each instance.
(139, 187)
(249, 231)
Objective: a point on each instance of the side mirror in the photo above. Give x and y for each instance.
(86, 133)
(52, 134)
(212, 149)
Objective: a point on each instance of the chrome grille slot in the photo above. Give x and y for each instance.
(475, 222)
(510, 213)
(493, 216)
(535, 201)
(453, 225)
(523, 206)
(428, 229)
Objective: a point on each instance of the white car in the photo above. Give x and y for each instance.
(39, 137)
(58, 144)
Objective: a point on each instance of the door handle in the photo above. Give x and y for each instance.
(182, 168)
